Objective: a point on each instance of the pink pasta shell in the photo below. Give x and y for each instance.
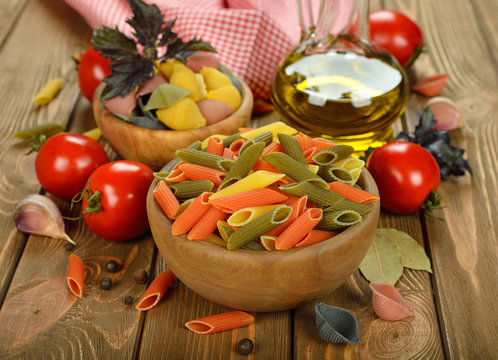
(198, 60)
(388, 303)
(122, 104)
(446, 113)
(214, 110)
(432, 85)
(150, 85)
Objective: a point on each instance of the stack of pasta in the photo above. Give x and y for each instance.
(270, 188)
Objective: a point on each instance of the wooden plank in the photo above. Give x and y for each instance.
(10, 10)
(462, 237)
(39, 47)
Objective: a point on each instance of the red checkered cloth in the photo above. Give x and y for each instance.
(251, 36)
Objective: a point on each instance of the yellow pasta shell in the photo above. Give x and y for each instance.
(214, 78)
(185, 78)
(166, 67)
(227, 94)
(201, 86)
(183, 115)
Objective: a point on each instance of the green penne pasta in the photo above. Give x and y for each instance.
(216, 240)
(265, 137)
(344, 204)
(291, 147)
(293, 168)
(230, 139)
(338, 219)
(243, 164)
(224, 229)
(205, 159)
(161, 176)
(189, 189)
(184, 205)
(332, 154)
(336, 173)
(258, 227)
(195, 145)
(316, 195)
(253, 245)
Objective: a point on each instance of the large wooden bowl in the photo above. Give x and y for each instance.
(156, 148)
(263, 280)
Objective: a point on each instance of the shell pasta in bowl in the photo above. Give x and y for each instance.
(265, 221)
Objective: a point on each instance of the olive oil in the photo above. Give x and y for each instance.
(347, 96)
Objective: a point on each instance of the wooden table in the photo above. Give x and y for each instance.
(455, 306)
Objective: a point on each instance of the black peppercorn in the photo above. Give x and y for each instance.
(245, 346)
(112, 266)
(140, 276)
(128, 300)
(69, 246)
(105, 283)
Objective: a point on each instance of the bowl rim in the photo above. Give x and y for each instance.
(245, 106)
(339, 240)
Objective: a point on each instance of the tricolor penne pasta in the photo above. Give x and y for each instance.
(269, 188)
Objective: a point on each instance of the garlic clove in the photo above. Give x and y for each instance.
(432, 85)
(446, 113)
(37, 214)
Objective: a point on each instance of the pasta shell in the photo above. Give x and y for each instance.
(198, 60)
(432, 85)
(214, 110)
(150, 85)
(122, 104)
(446, 113)
(388, 303)
(336, 325)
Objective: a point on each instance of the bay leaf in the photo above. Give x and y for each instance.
(413, 255)
(165, 95)
(382, 263)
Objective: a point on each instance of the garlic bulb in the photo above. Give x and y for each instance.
(38, 215)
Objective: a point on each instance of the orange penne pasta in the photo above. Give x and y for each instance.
(75, 275)
(298, 207)
(155, 291)
(236, 145)
(219, 322)
(272, 147)
(316, 236)
(176, 175)
(199, 172)
(215, 146)
(298, 229)
(192, 214)
(228, 153)
(256, 197)
(245, 129)
(305, 142)
(309, 153)
(263, 165)
(166, 199)
(206, 225)
(352, 193)
(322, 143)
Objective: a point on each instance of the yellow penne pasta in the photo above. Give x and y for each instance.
(274, 128)
(244, 216)
(313, 168)
(268, 242)
(354, 166)
(48, 91)
(256, 180)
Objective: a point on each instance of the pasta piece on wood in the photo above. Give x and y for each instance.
(219, 322)
(76, 275)
(155, 291)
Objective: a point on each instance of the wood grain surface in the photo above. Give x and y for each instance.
(455, 312)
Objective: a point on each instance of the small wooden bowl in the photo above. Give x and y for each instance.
(156, 148)
(263, 280)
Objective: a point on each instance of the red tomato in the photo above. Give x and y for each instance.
(65, 161)
(405, 174)
(92, 68)
(397, 34)
(121, 211)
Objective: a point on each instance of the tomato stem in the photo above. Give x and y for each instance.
(432, 202)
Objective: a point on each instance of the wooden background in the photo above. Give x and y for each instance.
(455, 311)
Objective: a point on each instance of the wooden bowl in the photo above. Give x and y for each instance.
(156, 148)
(263, 280)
